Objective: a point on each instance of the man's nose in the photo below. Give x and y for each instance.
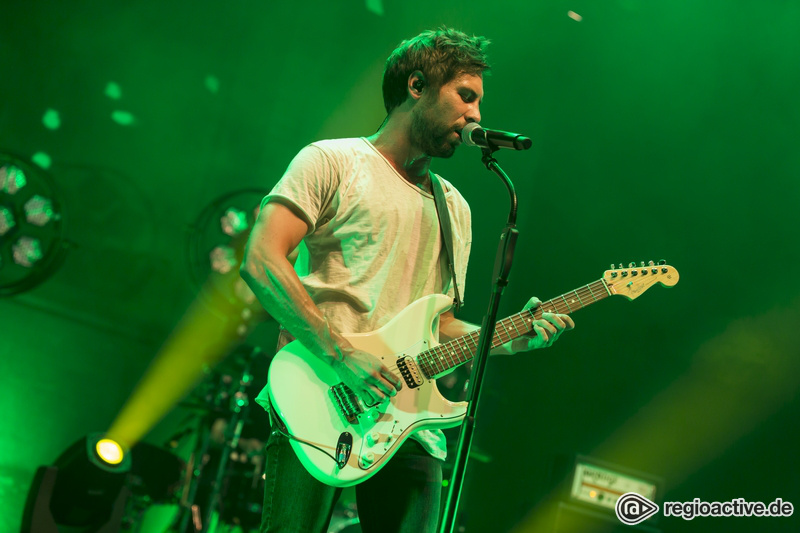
(474, 114)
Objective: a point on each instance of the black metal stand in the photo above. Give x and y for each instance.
(234, 405)
(502, 267)
(240, 403)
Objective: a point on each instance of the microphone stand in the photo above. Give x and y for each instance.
(502, 267)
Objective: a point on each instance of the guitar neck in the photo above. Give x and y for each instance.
(456, 352)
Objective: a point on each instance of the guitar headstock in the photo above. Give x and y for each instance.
(632, 281)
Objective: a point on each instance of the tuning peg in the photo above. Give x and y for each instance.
(631, 265)
(612, 266)
(662, 262)
(650, 263)
(620, 266)
(641, 264)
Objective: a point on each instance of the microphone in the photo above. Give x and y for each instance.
(474, 135)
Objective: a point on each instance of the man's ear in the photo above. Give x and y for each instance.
(416, 84)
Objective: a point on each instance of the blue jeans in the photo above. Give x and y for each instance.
(403, 497)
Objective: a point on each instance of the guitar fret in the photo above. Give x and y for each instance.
(523, 324)
(429, 362)
(591, 292)
(451, 353)
(423, 363)
(578, 296)
(569, 309)
(437, 357)
(442, 357)
(515, 326)
(474, 338)
(605, 286)
(433, 361)
(496, 340)
(505, 329)
(466, 353)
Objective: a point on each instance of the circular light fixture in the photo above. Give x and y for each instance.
(215, 251)
(31, 226)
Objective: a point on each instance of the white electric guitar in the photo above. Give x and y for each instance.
(342, 442)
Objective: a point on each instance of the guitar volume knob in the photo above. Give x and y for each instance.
(373, 438)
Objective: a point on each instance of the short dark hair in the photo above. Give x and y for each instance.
(440, 55)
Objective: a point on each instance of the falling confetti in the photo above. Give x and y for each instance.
(574, 16)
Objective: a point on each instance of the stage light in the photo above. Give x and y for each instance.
(223, 259)
(31, 226)
(27, 251)
(234, 222)
(12, 178)
(216, 247)
(82, 492)
(39, 210)
(6, 220)
(109, 451)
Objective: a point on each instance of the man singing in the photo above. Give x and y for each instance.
(345, 241)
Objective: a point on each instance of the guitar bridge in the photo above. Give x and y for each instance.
(410, 371)
(346, 402)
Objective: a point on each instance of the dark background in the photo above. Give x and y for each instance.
(661, 130)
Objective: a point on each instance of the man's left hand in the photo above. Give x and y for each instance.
(545, 331)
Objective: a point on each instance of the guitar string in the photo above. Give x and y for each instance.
(582, 293)
(427, 357)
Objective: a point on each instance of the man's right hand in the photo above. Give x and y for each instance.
(367, 376)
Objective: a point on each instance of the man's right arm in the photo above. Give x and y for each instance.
(270, 275)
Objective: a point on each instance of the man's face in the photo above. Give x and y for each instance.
(439, 118)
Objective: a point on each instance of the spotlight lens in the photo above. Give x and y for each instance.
(39, 210)
(223, 259)
(234, 222)
(27, 251)
(12, 179)
(109, 451)
(6, 220)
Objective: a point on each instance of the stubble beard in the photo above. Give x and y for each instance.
(431, 136)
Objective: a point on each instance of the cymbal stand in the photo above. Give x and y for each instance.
(239, 406)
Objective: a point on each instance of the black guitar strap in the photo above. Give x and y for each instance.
(447, 233)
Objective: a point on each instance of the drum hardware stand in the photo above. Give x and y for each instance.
(238, 405)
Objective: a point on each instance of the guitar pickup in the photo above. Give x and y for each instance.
(410, 372)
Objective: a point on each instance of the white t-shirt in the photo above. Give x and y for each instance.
(374, 244)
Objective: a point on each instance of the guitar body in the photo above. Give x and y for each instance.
(301, 389)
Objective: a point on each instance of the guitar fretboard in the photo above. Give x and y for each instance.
(456, 352)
